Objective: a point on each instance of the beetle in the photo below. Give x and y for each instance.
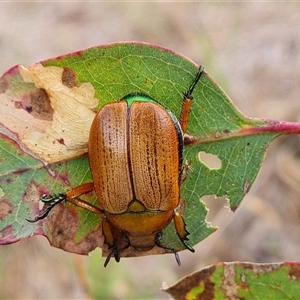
(135, 152)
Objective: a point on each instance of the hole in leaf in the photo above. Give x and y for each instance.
(215, 207)
(210, 160)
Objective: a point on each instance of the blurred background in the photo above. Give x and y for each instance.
(253, 51)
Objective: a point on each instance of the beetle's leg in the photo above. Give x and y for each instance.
(187, 101)
(181, 230)
(49, 203)
(70, 196)
(111, 242)
(186, 167)
(80, 190)
(158, 237)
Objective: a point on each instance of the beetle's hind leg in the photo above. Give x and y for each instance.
(181, 230)
(182, 234)
(157, 242)
(70, 196)
(111, 242)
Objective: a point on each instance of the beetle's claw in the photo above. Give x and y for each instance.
(107, 259)
(49, 203)
(43, 214)
(187, 245)
(158, 238)
(114, 252)
(184, 239)
(177, 258)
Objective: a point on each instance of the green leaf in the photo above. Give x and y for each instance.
(49, 108)
(237, 280)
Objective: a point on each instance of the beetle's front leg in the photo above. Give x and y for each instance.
(187, 102)
(70, 196)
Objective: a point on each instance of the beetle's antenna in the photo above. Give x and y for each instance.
(187, 101)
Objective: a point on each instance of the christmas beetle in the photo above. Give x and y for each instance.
(135, 153)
